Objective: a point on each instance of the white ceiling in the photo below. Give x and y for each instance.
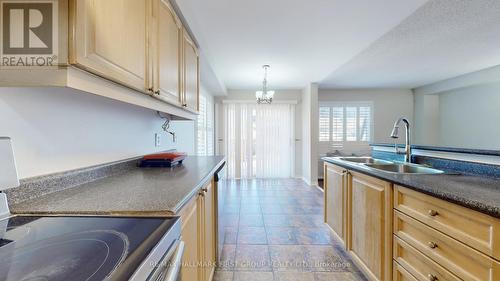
(303, 40)
(343, 43)
(442, 39)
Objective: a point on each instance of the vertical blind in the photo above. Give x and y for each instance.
(341, 123)
(258, 140)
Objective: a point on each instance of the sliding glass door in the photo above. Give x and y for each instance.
(258, 140)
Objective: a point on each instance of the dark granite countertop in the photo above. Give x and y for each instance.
(139, 191)
(478, 193)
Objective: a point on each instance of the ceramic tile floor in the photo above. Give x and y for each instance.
(275, 232)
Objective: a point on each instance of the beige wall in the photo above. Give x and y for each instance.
(388, 106)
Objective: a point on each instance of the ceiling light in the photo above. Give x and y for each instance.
(264, 96)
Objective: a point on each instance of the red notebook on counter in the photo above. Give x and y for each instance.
(162, 159)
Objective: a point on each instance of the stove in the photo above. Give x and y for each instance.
(89, 248)
(36, 248)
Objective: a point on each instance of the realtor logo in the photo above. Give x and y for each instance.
(28, 31)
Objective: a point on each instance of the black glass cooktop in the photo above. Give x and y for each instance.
(76, 248)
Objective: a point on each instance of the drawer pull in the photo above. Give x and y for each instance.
(433, 213)
(432, 245)
(432, 277)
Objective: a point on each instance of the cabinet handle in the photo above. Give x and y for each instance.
(432, 245)
(432, 213)
(201, 194)
(150, 90)
(205, 190)
(184, 104)
(432, 277)
(157, 92)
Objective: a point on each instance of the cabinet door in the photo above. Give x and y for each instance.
(335, 195)
(209, 231)
(191, 74)
(370, 225)
(192, 223)
(108, 38)
(167, 50)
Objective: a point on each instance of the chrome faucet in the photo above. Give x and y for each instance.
(394, 135)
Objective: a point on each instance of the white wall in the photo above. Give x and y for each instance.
(249, 95)
(464, 117)
(310, 153)
(57, 129)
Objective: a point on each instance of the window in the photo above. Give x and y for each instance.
(345, 122)
(205, 128)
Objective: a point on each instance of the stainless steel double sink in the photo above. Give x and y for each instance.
(391, 167)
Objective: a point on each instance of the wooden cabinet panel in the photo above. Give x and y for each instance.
(191, 235)
(401, 274)
(109, 37)
(370, 225)
(463, 261)
(420, 266)
(166, 48)
(209, 231)
(474, 229)
(191, 73)
(335, 199)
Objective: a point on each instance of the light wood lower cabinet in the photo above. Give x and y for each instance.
(209, 231)
(198, 234)
(460, 259)
(192, 223)
(335, 184)
(401, 274)
(472, 228)
(369, 225)
(418, 265)
(395, 233)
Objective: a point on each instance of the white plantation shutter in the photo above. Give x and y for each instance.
(324, 123)
(337, 124)
(365, 123)
(349, 122)
(205, 127)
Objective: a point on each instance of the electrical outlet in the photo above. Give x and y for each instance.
(157, 140)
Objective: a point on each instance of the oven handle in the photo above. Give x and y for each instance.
(175, 264)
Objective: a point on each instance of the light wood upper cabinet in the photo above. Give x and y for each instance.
(369, 225)
(108, 38)
(166, 50)
(335, 199)
(191, 73)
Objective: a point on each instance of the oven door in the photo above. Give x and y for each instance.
(173, 272)
(165, 260)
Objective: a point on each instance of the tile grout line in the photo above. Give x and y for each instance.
(267, 240)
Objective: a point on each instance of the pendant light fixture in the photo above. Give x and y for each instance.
(264, 96)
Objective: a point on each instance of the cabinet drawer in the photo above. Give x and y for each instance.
(401, 274)
(463, 261)
(474, 229)
(418, 265)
